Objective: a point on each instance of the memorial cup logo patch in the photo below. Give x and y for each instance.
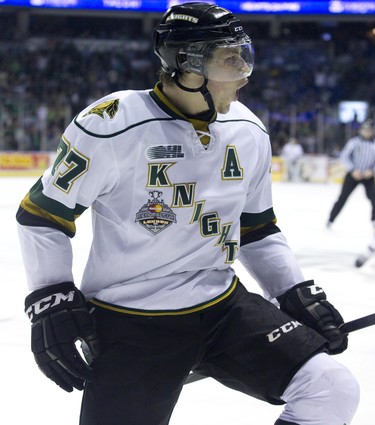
(155, 216)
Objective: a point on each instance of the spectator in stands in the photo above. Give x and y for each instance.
(34, 69)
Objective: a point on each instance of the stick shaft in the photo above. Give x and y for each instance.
(357, 324)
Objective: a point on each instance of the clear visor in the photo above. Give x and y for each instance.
(229, 62)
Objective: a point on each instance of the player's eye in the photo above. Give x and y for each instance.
(232, 61)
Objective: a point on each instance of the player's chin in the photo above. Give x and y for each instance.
(242, 83)
(224, 109)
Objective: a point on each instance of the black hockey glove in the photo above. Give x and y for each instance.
(308, 304)
(59, 318)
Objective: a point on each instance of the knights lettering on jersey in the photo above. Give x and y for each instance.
(152, 217)
(183, 195)
(157, 175)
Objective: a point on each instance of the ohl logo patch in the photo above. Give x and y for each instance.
(155, 216)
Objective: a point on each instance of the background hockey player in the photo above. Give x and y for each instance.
(292, 152)
(178, 181)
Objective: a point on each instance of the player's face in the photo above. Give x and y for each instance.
(227, 74)
(230, 62)
(367, 133)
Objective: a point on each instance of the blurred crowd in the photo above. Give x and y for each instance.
(47, 77)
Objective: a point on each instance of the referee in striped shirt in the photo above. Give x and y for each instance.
(358, 157)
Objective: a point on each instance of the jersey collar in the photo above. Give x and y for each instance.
(164, 103)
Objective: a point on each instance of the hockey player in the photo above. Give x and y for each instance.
(179, 184)
(292, 152)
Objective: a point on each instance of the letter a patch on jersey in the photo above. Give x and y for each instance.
(232, 169)
(155, 216)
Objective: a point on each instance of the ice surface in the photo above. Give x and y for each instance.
(325, 255)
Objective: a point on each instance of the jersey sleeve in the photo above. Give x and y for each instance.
(258, 219)
(47, 214)
(265, 253)
(47, 256)
(272, 264)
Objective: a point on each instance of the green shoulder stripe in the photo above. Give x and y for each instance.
(257, 219)
(258, 233)
(36, 203)
(28, 219)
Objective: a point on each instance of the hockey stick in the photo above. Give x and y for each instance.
(357, 324)
(348, 327)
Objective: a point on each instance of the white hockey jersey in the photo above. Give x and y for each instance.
(167, 209)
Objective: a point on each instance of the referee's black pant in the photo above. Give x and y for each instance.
(347, 188)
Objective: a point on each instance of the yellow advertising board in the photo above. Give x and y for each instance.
(23, 163)
(278, 169)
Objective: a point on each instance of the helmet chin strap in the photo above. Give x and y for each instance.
(202, 89)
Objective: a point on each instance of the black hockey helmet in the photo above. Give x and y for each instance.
(188, 33)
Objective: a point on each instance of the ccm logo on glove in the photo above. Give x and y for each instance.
(49, 302)
(315, 290)
(308, 304)
(60, 318)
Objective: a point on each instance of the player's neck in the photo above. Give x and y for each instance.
(189, 103)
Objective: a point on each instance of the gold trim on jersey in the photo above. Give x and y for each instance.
(159, 93)
(191, 310)
(34, 209)
(200, 126)
(245, 230)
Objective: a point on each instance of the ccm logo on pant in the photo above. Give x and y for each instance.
(284, 329)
